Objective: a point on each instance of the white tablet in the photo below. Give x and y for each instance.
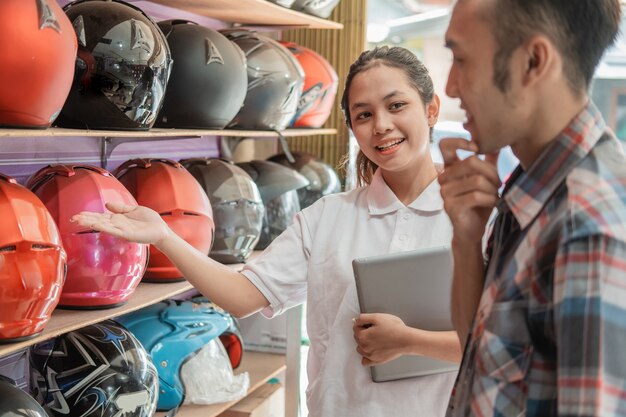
(414, 286)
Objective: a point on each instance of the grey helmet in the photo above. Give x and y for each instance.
(17, 403)
(278, 186)
(320, 8)
(284, 3)
(237, 207)
(121, 70)
(209, 80)
(275, 82)
(323, 179)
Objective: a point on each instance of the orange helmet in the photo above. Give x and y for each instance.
(32, 262)
(169, 189)
(38, 49)
(320, 87)
(102, 271)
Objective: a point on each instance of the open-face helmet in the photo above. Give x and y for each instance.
(172, 332)
(275, 80)
(323, 179)
(97, 371)
(32, 262)
(278, 186)
(37, 54)
(122, 67)
(237, 207)
(320, 87)
(169, 189)
(208, 82)
(102, 270)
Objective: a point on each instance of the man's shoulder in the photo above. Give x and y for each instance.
(596, 191)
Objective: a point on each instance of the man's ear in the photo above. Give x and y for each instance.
(538, 59)
(432, 110)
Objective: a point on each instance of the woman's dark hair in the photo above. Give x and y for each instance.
(394, 57)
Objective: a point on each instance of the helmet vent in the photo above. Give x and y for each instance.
(37, 246)
(11, 248)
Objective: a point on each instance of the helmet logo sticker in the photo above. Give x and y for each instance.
(138, 38)
(47, 18)
(130, 402)
(212, 54)
(79, 28)
(309, 97)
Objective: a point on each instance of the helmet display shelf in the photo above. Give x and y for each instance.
(260, 366)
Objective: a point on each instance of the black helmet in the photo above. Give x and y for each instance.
(100, 370)
(275, 81)
(237, 207)
(322, 177)
(122, 67)
(208, 82)
(320, 8)
(278, 185)
(16, 403)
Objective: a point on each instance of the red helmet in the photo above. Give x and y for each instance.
(103, 271)
(320, 87)
(32, 262)
(169, 189)
(37, 53)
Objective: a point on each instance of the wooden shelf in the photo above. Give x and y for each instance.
(64, 321)
(160, 133)
(260, 366)
(251, 13)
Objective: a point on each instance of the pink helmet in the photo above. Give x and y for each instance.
(103, 271)
(32, 262)
(169, 189)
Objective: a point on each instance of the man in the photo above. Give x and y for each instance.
(544, 315)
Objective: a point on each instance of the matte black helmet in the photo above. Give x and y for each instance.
(323, 179)
(97, 371)
(209, 80)
(275, 82)
(16, 403)
(122, 67)
(320, 8)
(278, 186)
(237, 207)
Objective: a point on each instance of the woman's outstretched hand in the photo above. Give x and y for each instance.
(135, 223)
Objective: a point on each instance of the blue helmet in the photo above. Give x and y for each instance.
(172, 332)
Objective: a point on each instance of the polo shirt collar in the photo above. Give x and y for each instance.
(529, 190)
(381, 200)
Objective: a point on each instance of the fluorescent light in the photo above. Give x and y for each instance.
(377, 32)
(421, 17)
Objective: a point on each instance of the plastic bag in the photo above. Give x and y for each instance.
(208, 377)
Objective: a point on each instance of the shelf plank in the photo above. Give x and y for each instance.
(251, 13)
(64, 321)
(160, 133)
(260, 366)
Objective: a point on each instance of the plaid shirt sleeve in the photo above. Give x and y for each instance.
(590, 325)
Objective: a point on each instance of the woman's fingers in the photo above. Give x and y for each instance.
(118, 207)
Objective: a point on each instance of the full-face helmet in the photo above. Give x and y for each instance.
(37, 54)
(102, 270)
(172, 332)
(32, 262)
(323, 179)
(15, 402)
(237, 207)
(275, 80)
(98, 371)
(166, 187)
(320, 87)
(122, 67)
(278, 186)
(208, 82)
(319, 8)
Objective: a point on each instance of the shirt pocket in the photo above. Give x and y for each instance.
(503, 359)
